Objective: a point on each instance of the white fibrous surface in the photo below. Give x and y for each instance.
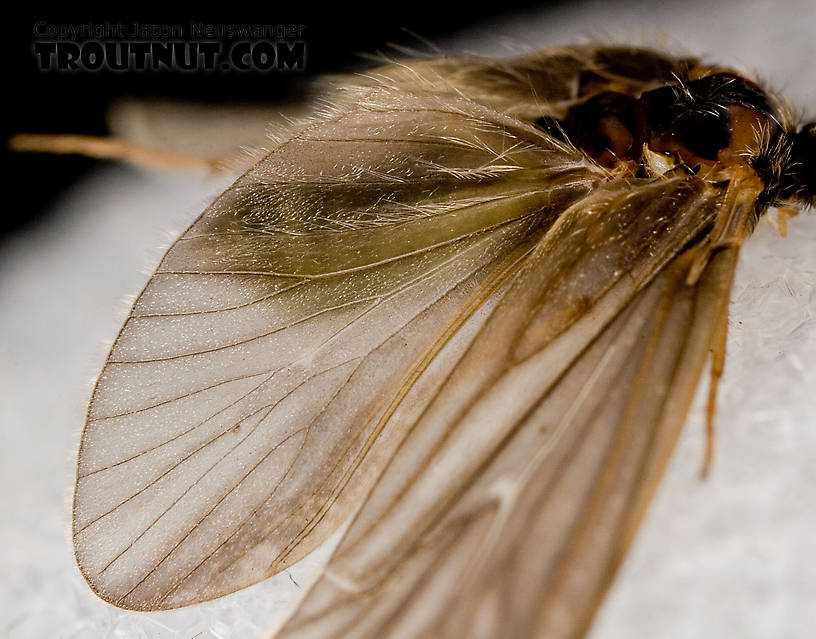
(734, 556)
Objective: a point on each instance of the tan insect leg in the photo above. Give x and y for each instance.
(110, 149)
(731, 226)
(783, 215)
(717, 367)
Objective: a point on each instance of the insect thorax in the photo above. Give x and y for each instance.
(713, 122)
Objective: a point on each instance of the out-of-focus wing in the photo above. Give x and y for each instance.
(508, 507)
(205, 130)
(256, 389)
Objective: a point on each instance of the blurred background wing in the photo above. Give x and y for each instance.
(200, 129)
(253, 393)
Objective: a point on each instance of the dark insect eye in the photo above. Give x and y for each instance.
(703, 133)
(798, 180)
(805, 153)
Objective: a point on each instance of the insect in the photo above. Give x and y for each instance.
(465, 307)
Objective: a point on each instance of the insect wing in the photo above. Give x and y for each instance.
(507, 508)
(253, 394)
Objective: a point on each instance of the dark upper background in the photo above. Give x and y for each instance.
(51, 102)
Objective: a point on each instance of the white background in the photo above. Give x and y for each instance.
(731, 557)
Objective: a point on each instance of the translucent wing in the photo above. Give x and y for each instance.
(508, 506)
(253, 394)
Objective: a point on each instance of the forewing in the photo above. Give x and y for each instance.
(252, 395)
(507, 508)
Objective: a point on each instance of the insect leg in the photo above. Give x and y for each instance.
(111, 149)
(718, 352)
(784, 214)
(735, 221)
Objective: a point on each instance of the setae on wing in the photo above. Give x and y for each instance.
(255, 391)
